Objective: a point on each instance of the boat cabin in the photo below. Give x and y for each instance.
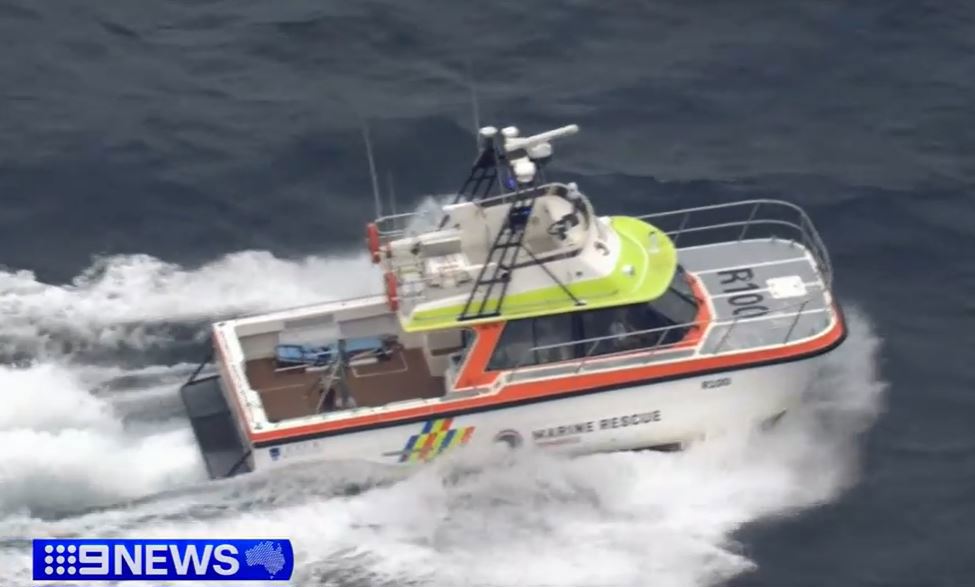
(473, 293)
(355, 354)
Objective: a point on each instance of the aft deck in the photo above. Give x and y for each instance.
(296, 392)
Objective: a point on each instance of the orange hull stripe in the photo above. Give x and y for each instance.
(475, 371)
(540, 389)
(702, 320)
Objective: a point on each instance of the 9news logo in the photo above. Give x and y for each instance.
(90, 559)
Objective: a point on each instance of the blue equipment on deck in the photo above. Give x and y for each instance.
(306, 355)
(297, 355)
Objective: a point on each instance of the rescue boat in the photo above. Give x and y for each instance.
(518, 316)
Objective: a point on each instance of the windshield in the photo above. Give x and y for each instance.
(605, 330)
(678, 304)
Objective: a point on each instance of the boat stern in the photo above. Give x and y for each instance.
(223, 446)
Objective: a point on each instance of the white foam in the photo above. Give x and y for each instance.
(621, 519)
(121, 300)
(62, 449)
(111, 302)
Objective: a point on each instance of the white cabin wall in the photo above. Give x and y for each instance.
(259, 339)
(252, 328)
(443, 339)
(436, 365)
(259, 346)
(411, 340)
(546, 211)
(369, 326)
(477, 239)
(437, 348)
(478, 227)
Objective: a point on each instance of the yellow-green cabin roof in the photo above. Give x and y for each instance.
(653, 266)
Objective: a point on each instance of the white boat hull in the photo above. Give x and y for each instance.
(644, 416)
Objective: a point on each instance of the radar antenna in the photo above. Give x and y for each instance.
(514, 163)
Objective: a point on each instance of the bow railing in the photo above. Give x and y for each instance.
(738, 221)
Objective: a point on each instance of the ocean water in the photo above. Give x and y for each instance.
(165, 164)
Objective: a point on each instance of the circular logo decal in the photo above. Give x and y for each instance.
(510, 437)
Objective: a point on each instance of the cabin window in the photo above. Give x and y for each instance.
(681, 285)
(612, 325)
(521, 336)
(622, 328)
(514, 347)
(467, 338)
(554, 330)
(679, 302)
(676, 306)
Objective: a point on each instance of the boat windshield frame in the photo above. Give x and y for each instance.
(576, 322)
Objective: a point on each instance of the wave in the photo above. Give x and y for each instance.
(63, 449)
(528, 519)
(139, 302)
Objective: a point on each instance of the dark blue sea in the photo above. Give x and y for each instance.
(167, 163)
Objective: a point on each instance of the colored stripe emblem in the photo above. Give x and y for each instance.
(436, 437)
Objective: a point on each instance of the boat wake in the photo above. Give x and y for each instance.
(139, 302)
(96, 446)
(63, 448)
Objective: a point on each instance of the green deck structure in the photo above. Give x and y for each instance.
(654, 262)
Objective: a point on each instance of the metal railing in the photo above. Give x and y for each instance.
(648, 351)
(702, 225)
(426, 218)
(705, 225)
(430, 214)
(327, 303)
(397, 226)
(738, 221)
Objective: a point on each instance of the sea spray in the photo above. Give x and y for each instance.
(523, 518)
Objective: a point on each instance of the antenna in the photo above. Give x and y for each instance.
(529, 149)
(475, 107)
(392, 193)
(372, 170)
(512, 142)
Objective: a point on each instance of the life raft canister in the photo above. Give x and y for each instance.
(372, 239)
(392, 297)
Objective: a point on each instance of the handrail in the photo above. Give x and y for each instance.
(663, 330)
(806, 232)
(394, 232)
(308, 306)
(416, 285)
